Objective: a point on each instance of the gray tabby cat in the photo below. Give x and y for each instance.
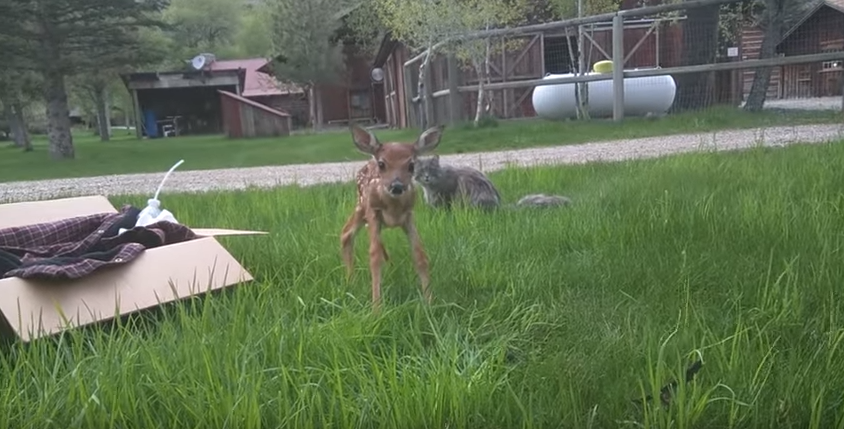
(443, 185)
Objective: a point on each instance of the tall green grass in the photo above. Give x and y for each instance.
(542, 318)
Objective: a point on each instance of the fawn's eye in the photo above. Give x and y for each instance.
(410, 167)
(381, 165)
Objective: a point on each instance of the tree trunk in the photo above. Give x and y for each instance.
(22, 138)
(126, 120)
(103, 126)
(700, 45)
(762, 76)
(320, 117)
(108, 113)
(480, 102)
(578, 102)
(425, 119)
(14, 128)
(312, 107)
(58, 116)
(582, 68)
(488, 76)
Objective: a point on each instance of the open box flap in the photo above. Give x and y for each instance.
(157, 276)
(33, 212)
(216, 232)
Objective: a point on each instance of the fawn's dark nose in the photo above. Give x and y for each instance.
(396, 188)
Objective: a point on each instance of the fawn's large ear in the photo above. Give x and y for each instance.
(365, 141)
(429, 140)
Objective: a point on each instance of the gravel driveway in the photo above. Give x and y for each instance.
(307, 174)
(813, 103)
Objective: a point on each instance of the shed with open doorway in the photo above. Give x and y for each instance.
(186, 100)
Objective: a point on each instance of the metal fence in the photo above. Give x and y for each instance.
(652, 60)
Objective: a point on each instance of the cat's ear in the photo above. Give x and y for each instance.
(435, 159)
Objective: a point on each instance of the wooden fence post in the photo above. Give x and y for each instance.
(618, 68)
(454, 98)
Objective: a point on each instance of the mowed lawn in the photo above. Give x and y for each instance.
(125, 154)
(542, 318)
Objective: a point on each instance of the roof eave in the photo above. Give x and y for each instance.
(811, 12)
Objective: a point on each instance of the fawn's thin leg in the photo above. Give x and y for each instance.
(376, 258)
(420, 259)
(383, 249)
(347, 238)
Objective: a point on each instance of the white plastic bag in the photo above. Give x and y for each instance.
(152, 213)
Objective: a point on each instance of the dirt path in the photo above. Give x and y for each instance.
(307, 174)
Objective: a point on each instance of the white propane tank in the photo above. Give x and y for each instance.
(642, 95)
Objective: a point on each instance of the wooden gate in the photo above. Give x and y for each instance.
(643, 43)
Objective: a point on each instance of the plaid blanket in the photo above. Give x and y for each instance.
(76, 247)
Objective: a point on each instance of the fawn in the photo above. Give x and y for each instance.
(386, 197)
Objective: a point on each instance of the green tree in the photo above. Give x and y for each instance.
(254, 37)
(475, 15)
(98, 80)
(18, 82)
(422, 24)
(63, 37)
(362, 27)
(17, 87)
(173, 54)
(307, 47)
(568, 9)
(204, 25)
(419, 25)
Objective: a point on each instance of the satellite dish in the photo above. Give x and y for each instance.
(198, 62)
(377, 74)
(202, 60)
(209, 58)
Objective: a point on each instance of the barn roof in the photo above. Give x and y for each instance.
(834, 4)
(257, 83)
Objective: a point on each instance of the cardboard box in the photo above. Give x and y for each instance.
(33, 308)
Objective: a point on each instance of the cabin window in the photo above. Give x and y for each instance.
(831, 65)
(832, 46)
(360, 104)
